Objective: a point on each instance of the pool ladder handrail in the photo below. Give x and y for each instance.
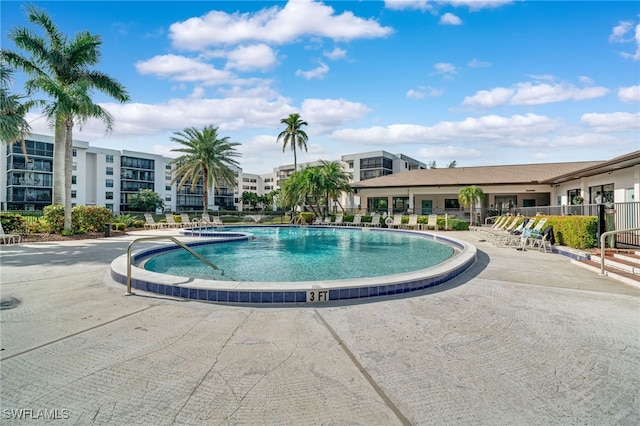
(155, 238)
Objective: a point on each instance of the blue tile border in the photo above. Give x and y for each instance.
(273, 296)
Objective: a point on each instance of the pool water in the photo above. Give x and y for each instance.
(289, 254)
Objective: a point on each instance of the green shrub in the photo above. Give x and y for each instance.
(127, 219)
(38, 227)
(580, 232)
(138, 223)
(13, 223)
(120, 226)
(305, 217)
(454, 224)
(83, 218)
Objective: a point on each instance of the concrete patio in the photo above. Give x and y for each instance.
(523, 337)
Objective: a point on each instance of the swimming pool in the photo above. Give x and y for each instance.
(290, 254)
(272, 289)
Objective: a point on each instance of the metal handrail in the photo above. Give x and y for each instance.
(155, 238)
(602, 237)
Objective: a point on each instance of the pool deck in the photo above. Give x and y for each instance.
(519, 338)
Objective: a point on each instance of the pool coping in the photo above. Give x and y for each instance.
(287, 293)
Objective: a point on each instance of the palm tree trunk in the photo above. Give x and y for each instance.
(205, 190)
(68, 172)
(58, 164)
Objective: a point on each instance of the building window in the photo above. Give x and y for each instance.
(108, 195)
(400, 204)
(108, 183)
(109, 158)
(167, 167)
(451, 203)
(167, 197)
(74, 180)
(167, 176)
(601, 194)
(377, 204)
(74, 152)
(109, 171)
(167, 188)
(73, 193)
(109, 206)
(350, 164)
(74, 166)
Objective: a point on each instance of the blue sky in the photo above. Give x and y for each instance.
(478, 82)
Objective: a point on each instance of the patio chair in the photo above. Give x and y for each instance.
(186, 219)
(9, 238)
(339, 220)
(413, 222)
(357, 221)
(171, 222)
(432, 222)
(397, 221)
(532, 236)
(375, 221)
(150, 223)
(317, 221)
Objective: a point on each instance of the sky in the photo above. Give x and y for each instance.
(475, 82)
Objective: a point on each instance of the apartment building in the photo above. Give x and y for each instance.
(100, 177)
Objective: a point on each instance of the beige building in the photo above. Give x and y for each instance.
(506, 188)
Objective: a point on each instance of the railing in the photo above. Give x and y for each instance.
(602, 243)
(155, 238)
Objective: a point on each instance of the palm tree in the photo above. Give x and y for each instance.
(293, 135)
(13, 126)
(468, 196)
(59, 67)
(334, 181)
(204, 155)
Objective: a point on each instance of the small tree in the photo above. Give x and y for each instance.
(468, 196)
(146, 200)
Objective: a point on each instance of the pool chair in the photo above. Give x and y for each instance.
(150, 223)
(317, 221)
(397, 221)
(339, 220)
(375, 221)
(186, 219)
(171, 221)
(413, 222)
(432, 222)
(9, 238)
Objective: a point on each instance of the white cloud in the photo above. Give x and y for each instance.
(407, 4)
(450, 19)
(635, 56)
(532, 94)
(336, 54)
(316, 73)
(475, 63)
(298, 18)
(445, 69)
(423, 91)
(330, 114)
(585, 80)
(619, 32)
(612, 122)
(252, 57)
(487, 128)
(629, 94)
(180, 68)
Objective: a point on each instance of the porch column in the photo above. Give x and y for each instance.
(411, 206)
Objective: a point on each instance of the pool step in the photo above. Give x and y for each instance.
(621, 265)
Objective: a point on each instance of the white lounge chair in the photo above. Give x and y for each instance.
(432, 222)
(413, 222)
(9, 238)
(150, 223)
(171, 221)
(397, 221)
(339, 220)
(375, 221)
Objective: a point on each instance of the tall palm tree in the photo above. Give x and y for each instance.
(293, 135)
(59, 67)
(468, 196)
(335, 181)
(13, 125)
(204, 155)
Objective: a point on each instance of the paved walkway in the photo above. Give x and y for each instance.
(521, 338)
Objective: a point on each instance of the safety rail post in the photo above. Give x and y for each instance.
(602, 244)
(156, 238)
